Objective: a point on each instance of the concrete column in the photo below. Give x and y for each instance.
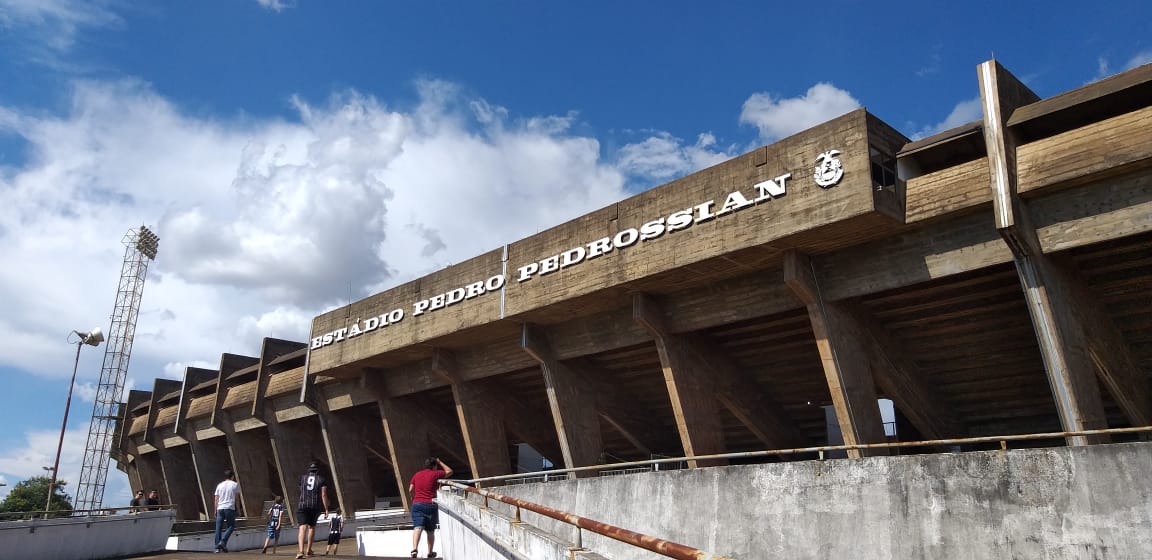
(344, 440)
(183, 485)
(151, 473)
(481, 420)
(569, 397)
(252, 460)
(843, 356)
(211, 458)
(1051, 301)
(295, 444)
(407, 438)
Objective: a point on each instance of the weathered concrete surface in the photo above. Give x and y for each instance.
(86, 538)
(468, 530)
(1078, 503)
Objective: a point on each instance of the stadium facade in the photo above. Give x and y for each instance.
(992, 279)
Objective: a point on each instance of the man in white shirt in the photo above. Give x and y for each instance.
(225, 505)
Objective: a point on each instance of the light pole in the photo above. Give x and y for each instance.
(91, 338)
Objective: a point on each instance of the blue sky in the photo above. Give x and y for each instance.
(293, 155)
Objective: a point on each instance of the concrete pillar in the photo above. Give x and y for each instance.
(252, 460)
(183, 485)
(481, 420)
(295, 444)
(211, 458)
(347, 455)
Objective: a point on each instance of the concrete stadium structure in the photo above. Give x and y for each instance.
(992, 279)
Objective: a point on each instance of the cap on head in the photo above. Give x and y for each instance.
(313, 466)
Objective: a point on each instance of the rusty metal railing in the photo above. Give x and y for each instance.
(652, 544)
(821, 450)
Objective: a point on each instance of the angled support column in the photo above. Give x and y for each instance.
(618, 411)
(210, 456)
(407, 436)
(1116, 365)
(183, 486)
(900, 379)
(571, 401)
(251, 455)
(1051, 304)
(843, 357)
(151, 472)
(690, 387)
(733, 389)
(344, 440)
(294, 444)
(481, 418)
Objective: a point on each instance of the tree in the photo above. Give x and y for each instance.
(29, 495)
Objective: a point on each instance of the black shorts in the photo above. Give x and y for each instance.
(333, 538)
(307, 516)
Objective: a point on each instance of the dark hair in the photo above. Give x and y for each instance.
(278, 499)
(431, 462)
(227, 473)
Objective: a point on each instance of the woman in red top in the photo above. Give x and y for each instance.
(424, 513)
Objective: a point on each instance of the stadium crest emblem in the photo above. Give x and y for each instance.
(829, 170)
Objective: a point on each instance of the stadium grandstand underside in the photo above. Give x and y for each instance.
(992, 279)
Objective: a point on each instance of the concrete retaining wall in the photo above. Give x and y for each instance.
(472, 532)
(86, 538)
(1054, 503)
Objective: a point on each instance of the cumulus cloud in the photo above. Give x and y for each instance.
(963, 112)
(264, 224)
(779, 117)
(663, 156)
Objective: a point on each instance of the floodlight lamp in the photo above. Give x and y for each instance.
(92, 338)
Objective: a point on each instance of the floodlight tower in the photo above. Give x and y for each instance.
(139, 248)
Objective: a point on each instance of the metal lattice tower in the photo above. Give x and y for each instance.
(140, 248)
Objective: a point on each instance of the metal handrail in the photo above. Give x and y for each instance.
(69, 513)
(652, 544)
(821, 449)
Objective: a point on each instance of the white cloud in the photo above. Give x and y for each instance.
(663, 156)
(273, 5)
(39, 451)
(55, 23)
(777, 118)
(964, 112)
(263, 224)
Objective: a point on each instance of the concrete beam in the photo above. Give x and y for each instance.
(229, 364)
(160, 388)
(1051, 301)
(151, 472)
(481, 416)
(843, 357)
(577, 424)
(270, 349)
(691, 389)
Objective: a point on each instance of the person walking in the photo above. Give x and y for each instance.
(313, 496)
(224, 502)
(275, 515)
(425, 515)
(335, 525)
